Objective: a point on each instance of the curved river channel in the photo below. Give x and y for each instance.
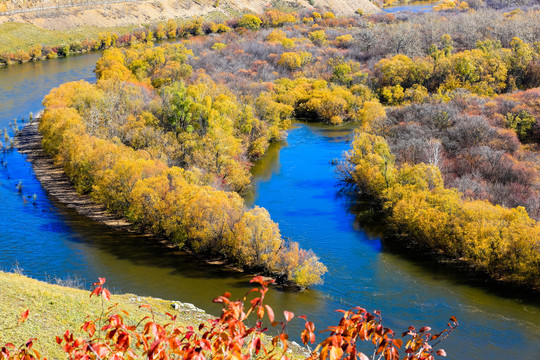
(296, 183)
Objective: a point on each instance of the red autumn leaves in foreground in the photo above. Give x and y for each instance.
(109, 336)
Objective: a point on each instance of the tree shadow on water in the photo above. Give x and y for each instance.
(148, 252)
(137, 248)
(369, 219)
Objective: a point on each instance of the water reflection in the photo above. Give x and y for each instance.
(22, 87)
(269, 164)
(413, 6)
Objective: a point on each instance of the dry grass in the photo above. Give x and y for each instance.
(54, 309)
(15, 36)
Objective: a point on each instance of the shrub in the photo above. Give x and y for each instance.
(52, 54)
(21, 56)
(317, 37)
(288, 43)
(294, 60)
(222, 28)
(75, 47)
(451, 5)
(250, 21)
(5, 58)
(392, 95)
(276, 36)
(329, 15)
(204, 139)
(498, 241)
(275, 18)
(522, 123)
(218, 46)
(344, 41)
(35, 52)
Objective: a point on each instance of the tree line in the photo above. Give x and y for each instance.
(173, 157)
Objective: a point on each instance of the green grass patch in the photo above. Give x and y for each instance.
(20, 36)
(55, 309)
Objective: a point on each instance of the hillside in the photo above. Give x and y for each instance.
(67, 14)
(53, 309)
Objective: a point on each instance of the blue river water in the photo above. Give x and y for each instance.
(415, 7)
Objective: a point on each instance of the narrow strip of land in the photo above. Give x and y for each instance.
(55, 182)
(58, 185)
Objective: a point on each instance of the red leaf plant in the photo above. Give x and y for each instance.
(229, 336)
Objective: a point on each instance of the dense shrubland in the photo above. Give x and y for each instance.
(469, 140)
(501, 242)
(173, 156)
(155, 32)
(374, 36)
(397, 60)
(432, 164)
(167, 135)
(479, 142)
(504, 4)
(431, 167)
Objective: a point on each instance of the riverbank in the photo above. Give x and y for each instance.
(53, 309)
(443, 223)
(60, 32)
(55, 182)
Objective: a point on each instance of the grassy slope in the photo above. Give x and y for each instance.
(23, 31)
(54, 309)
(15, 36)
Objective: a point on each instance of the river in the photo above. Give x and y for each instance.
(296, 183)
(412, 6)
